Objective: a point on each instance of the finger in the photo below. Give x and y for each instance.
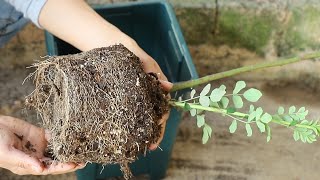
(81, 165)
(149, 64)
(24, 161)
(77, 167)
(47, 135)
(15, 123)
(154, 146)
(59, 168)
(49, 163)
(166, 84)
(22, 127)
(71, 170)
(164, 118)
(22, 171)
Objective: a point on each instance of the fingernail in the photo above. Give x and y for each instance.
(165, 82)
(47, 134)
(153, 147)
(166, 85)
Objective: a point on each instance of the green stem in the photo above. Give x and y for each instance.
(211, 109)
(238, 114)
(209, 78)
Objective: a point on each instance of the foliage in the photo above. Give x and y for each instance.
(218, 101)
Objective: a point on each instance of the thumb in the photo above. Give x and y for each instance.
(166, 84)
(22, 160)
(47, 135)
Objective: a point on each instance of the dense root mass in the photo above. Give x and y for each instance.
(100, 106)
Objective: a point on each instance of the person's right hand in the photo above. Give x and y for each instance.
(22, 147)
(78, 24)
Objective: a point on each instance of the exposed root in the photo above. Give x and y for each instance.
(100, 106)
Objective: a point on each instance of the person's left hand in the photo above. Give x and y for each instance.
(150, 65)
(22, 147)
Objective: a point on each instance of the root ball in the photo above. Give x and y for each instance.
(99, 106)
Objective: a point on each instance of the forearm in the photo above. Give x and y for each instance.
(78, 24)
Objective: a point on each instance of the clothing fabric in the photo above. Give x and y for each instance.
(29, 8)
(15, 14)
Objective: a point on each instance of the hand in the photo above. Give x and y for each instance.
(150, 65)
(78, 24)
(22, 147)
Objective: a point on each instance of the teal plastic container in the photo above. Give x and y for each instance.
(155, 28)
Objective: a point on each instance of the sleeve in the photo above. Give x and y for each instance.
(30, 8)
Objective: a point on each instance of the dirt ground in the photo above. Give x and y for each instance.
(226, 156)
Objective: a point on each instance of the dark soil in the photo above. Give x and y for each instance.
(30, 147)
(100, 106)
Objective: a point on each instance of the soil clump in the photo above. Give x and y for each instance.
(99, 106)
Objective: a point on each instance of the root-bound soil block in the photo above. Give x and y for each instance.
(99, 106)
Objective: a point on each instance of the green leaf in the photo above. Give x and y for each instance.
(237, 101)
(205, 90)
(233, 126)
(186, 107)
(303, 137)
(266, 118)
(200, 120)
(252, 95)
(296, 135)
(304, 122)
(224, 102)
(280, 110)
(251, 108)
(277, 117)
(204, 101)
(287, 118)
(192, 93)
(208, 129)
(309, 139)
(295, 117)
(302, 130)
(259, 112)
(300, 116)
(217, 94)
(249, 130)
(302, 113)
(205, 136)
(223, 88)
(261, 126)
(193, 112)
(302, 109)
(251, 117)
(268, 129)
(200, 111)
(292, 109)
(214, 104)
(309, 132)
(231, 110)
(239, 86)
(293, 123)
(268, 138)
(312, 138)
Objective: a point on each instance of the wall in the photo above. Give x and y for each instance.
(223, 34)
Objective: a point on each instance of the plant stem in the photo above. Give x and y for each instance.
(206, 79)
(238, 114)
(211, 109)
